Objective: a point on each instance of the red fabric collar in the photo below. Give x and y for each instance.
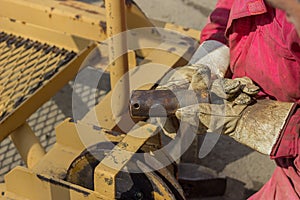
(247, 8)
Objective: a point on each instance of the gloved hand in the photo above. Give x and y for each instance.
(234, 111)
(190, 77)
(211, 56)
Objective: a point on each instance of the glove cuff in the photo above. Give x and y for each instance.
(261, 124)
(213, 54)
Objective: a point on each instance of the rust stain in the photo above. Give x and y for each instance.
(77, 16)
(103, 25)
(109, 181)
(123, 145)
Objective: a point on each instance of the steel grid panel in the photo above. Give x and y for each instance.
(25, 66)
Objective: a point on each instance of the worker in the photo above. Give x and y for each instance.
(259, 41)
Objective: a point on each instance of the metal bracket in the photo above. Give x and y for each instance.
(110, 166)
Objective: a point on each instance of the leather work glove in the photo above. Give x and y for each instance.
(191, 77)
(211, 56)
(233, 111)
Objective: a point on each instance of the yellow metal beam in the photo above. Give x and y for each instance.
(71, 139)
(117, 48)
(106, 172)
(188, 32)
(28, 145)
(72, 24)
(70, 17)
(185, 31)
(22, 183)
(49, 36)
(116, 24)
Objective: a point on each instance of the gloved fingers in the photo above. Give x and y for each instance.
(237, 90)
(190, 115)
(179, 78)
(201, 79)
(245, 84)
(210, 117)
(248, 86)
(206, 111)
(184, 72)
(230, 86)
(251, 89)
(225, 88)
(243, 99)
(193, 77)
(244, 80)
(203, 111)
(216, 118)
(174, 85)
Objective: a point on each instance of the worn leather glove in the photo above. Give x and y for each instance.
(211, 56)
(234, 111)
(190, 77)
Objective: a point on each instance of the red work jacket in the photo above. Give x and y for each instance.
(265, 47)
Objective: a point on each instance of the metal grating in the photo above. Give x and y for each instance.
(45, 119)
(25, 66)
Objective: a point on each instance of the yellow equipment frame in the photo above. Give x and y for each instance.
(76, 26)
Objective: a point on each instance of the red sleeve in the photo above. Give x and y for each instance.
(289, 143)
(217, 22)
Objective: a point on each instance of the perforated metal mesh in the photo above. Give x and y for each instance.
(25, 66)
